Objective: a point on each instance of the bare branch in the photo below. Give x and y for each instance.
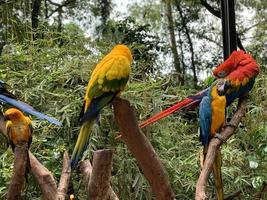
(214, 146)
(64, 179)
(142, 150)
(44, 178)
(19, 171)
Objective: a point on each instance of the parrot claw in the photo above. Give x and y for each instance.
(229, 124)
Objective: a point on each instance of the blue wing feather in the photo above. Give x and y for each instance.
(96, 106)
(205, 119)
(236, 93)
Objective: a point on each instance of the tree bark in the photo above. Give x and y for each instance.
(20, 165)
(44, 178)
(214, 145)
(36, 4)
(86, 171)
(64, 179)
(100, 177)
(176, 61)
(142, 150)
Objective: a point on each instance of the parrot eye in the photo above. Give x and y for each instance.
(221, 74)
(6, 118)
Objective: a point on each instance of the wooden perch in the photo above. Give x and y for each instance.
(20, 167)
(44, 178)
(86, 171)
(142, 150)
(214, 145)
(101, 172)
(64, 179)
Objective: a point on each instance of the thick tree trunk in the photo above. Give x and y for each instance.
(187, 32)
(176, 61)
(36, 4)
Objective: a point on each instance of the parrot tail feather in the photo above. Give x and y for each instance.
(218, 176)
(189, 103)
(81, 144)
(28, 109)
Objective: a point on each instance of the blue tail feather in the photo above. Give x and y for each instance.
(28, 109)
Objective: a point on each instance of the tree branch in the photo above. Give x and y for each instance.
(19, 171)
(214, 146)
(86, 171)
(142, 150)
(64, 179)
(44, 178)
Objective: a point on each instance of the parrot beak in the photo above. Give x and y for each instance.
(6, 118)
(222, 86)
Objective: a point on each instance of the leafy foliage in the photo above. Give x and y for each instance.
(51, 74)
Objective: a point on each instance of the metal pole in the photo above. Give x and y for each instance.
(228, 27)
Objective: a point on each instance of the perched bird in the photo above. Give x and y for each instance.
(108, 79)
(19, 131)
(240, 69)
(241, 77)
(212, 119)
(7, 97)
(19, 127)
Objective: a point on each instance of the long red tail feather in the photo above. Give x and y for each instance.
(189, 103)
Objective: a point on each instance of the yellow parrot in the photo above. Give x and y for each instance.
(19, 131)
(19, 127)
(108, 79)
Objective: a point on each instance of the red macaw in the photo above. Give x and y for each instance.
(241, 77)
(212, 119)
(240, 69)
(8, 97)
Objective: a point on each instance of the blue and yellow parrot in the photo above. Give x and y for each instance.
(108, 79)
(7, 97)
(212, 119)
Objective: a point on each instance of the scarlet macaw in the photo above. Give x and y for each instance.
(240, 69)
(212, 119)
(108, 79)
(8, 97)
(241, 77)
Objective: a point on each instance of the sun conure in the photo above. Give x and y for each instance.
(107, 80)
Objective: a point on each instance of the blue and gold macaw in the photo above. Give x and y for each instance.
(7, 97)
(108, 79)
(212, 119)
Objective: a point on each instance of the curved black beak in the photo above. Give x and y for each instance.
(223, 86)
(6, 118)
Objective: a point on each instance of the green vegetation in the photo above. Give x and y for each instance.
(48, 66)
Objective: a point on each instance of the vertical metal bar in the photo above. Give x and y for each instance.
(228, 27)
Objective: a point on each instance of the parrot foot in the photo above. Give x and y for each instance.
(219, 137)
